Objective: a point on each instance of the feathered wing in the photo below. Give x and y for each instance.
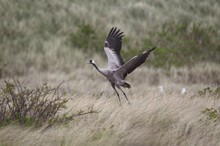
(112, 48)
(132, 64)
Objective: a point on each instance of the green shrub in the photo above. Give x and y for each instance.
(29, 106)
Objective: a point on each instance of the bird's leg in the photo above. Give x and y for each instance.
(113, 86)
(124, 94)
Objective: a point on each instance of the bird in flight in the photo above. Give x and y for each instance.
(117, 70)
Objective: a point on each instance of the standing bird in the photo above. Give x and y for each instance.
(117, 70)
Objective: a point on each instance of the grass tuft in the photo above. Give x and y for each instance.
(213, 115)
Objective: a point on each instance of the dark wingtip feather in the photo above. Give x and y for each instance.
(120, 35)
(114, 32)
(109, 34)
(152, 49)
(149, 51)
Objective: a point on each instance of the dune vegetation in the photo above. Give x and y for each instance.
(50, 96)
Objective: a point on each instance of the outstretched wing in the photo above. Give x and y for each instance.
(132, 64)
(112, 48)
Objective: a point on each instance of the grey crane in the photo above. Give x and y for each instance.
(117, 70)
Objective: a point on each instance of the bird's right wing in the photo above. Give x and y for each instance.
(112, 48)
(132, 64)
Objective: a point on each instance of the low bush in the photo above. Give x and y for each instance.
(29, 106)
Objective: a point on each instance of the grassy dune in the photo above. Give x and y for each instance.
(51, 41)
(42, 35)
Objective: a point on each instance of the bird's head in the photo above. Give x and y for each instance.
(106, 44)
(91, 61)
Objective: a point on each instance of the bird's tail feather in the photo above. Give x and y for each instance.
(126, 85)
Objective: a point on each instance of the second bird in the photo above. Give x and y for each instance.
(117, 70)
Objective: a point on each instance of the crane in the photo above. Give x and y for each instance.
(117, 70)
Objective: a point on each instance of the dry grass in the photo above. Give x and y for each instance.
(153, 118)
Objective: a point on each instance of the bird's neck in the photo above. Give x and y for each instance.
(97, 68)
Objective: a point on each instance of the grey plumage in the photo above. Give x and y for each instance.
(117, 70)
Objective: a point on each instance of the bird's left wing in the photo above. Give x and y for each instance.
(112, 48)
(132, 64)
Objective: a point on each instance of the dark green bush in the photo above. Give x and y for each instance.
(87, 38)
